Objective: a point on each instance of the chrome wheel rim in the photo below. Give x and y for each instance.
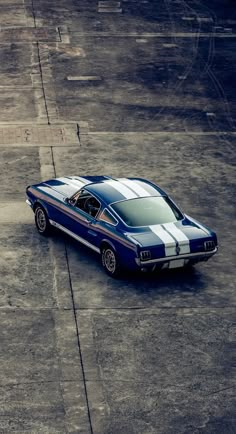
(41, 219)
(109, 260)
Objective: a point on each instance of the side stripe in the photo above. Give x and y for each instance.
(140, 191)
(72, 234)
(180, 237)
(166, 238)
(125, 191)
(80, 220)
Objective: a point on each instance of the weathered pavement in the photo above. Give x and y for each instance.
(138, 88)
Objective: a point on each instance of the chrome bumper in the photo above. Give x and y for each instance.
(198, 255)
(29, 203)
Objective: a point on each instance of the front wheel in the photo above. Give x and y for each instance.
(110, 261)
(41, 220)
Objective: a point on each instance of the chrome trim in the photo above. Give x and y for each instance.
(172, 258)
(29, 203)
(76, 237)
(109, 212)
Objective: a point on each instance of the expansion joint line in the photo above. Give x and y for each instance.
(78, 341)
(42, 83)
(53, 161)
(75, 318)
(40, 65)
(78, 134)
(33, 13)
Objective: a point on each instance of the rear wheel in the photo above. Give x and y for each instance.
(41, 220)
(109, 261)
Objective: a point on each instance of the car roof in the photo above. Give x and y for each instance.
(118, 189)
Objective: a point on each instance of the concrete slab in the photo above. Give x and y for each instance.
(149, 354)
(16, 65)
(143, 408)
(147, 92)
(15, 212)
(27, 268)
(176, 379)
(190, 167)
(23, 83)
(19, 168)
(38, 135)
(7, 18)
(13, 100)
(43, 408)
(41, 389)
(20, 35)
(132, 16)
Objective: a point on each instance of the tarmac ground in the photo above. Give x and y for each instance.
(132, 88)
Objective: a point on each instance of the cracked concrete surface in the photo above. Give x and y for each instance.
(130, 88)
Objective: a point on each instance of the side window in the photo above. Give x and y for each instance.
(88, 203)
(107, 217)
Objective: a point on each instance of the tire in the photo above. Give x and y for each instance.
(110, 262)
(41, 220)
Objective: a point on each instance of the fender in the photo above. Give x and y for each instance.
(42, 203)
(106, 241)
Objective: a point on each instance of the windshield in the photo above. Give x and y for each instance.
(147, 211)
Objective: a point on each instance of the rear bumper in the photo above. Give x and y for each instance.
(189, 257)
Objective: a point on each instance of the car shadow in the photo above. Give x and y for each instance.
(183, 280)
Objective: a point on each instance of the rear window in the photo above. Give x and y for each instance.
(147, 211)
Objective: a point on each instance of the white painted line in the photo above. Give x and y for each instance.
(17, 159)
(84, 78)
(141, 41)
(108, 4)
(109, 10)
(205, 19)
(169, 45)
(188, 18)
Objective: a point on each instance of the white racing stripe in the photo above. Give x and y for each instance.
(166, 238)
(179, 235)
(140, 191)
(125, 191)
(74, 182)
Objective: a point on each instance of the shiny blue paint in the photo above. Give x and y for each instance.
(126, 241)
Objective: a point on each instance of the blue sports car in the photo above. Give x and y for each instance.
(130, 222)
